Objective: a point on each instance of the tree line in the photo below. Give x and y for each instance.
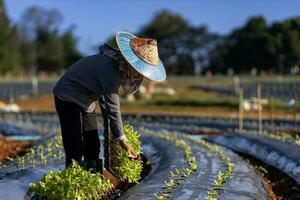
(37, 43)
(257, 45)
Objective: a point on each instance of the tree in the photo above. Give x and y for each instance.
(40, 28)
(181, 46)
(50, 49)
(69, 47)
(274, 48)
(168, 28)
(9, 57)
(288, 42)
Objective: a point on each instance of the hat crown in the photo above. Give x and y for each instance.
(146, 49)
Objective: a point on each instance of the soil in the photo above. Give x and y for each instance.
(292, 133)
(279, 185)
(207, 132)
(12, 148)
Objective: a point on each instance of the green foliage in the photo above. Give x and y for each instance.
(9, 57)
(181, 45)
(127, 169)
(71, 183)
(51, 50)
(35, 41)
(274, 47)
(173, 32)
(161, 196)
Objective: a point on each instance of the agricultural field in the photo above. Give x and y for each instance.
(192, 145)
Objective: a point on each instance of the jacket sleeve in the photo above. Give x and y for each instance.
(110, 82)
(103, 111)
(110, 108)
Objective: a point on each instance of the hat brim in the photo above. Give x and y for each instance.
(152, 72)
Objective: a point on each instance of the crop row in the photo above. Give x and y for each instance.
(177, 176)
(23, 89)
(51, 117)
(224, 175)
(48, 122)
(39, 155)
(283, 91)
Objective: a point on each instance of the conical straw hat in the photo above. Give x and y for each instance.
(142, 55)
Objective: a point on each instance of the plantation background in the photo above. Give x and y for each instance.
(37, 43)
(226, 116)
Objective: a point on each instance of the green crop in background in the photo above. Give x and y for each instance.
(127, 169)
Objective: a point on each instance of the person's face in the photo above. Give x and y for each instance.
(134, 73)
(130, 78)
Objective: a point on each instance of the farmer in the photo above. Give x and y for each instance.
(98, 78)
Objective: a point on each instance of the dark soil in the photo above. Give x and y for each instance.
(292, 133)
(278, 184)
(12, 148)
(207, 132)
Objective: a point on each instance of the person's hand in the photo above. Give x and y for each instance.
(131, 154)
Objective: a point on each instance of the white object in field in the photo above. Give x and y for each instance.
(142, 89)
(254, 104)
(35, 85)
(2, 105)
(162, 88)
(130, 97)
(168, 91)
(11, 108)
(246, 105)
(290, 103)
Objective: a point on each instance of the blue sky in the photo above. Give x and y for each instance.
(96, 20)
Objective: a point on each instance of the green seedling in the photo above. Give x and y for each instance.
(10, 159)
(60, 154)
(212, 195)
(127, 169)
(71, 183)
(162, 196)
(170, 184)
(21, 162)
(177, 176)
(222, 176)
(41, 155)
(175, 173)
(31, 155)
(193, 163)
(50, 152)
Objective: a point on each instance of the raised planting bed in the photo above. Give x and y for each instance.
(279, 90)
(11, 149)
(42, 166)
(279, 185)
(182, 165)
(41, 154)
(187, 168)
(23, 89)
(284, 157)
